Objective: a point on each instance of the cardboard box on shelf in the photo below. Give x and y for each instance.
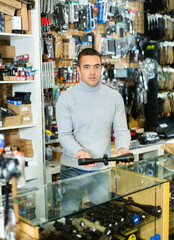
(7, 51)
(56, 156)
(27, 118)
(27, 151)
(8, 23)
(12, 3)
(11, 121)
(29, 23)
(25, 142)
(22, 109)
(7, 9)
(23, 13)
(24, 147)
(11, 136)
(29, 155)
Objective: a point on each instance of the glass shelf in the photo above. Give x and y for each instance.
(160, 167)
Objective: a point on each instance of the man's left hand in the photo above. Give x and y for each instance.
(122, 151)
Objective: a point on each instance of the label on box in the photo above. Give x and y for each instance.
(26, 118)
(24, 109)
(16, 102)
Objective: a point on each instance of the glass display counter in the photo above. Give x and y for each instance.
(109, 204)
(160, 167)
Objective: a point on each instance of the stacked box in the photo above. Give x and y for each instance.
(12, 8)
(26, 147)
(24, 111)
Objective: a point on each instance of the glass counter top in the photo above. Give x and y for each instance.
(160, 167)
(53, 201)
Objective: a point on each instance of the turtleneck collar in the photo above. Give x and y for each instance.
(86, 88)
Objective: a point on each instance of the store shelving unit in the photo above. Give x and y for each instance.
(30, 44)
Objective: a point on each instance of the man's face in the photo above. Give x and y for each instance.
(90, 70)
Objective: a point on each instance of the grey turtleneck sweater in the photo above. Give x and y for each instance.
(85, 115)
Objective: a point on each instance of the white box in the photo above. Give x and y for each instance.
(16, 23)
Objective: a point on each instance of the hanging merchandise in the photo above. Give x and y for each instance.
(169, 30)
(131, 21)
(82, 24)
(151, 107)
(102, 11)
(166, 100)
(138, 94)
(142, 43)
(156, 27)
(120, 30)
(48, 79)
(154, 6)
(117, 48)
(166, 53)
(168, 74)
(112, 9)
(73, 11)
(45, 23)
(46, 6)
(110, 28)
(134, 52)
(48, 109)
(60, 16)
(48, 48)
(91, 17)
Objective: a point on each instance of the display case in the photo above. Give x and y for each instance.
(160, 167)
(97, 204)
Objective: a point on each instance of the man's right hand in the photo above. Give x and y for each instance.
(84, 154)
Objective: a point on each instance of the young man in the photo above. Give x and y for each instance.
(85, 116)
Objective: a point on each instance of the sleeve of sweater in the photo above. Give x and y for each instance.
(121, 132)
(65, 127)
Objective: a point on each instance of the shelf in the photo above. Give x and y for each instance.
(18, 126)
(8, 36)
(16, 82)
(52, 141)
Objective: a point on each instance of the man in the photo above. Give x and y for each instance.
(85, 116)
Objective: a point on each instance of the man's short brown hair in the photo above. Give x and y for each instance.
(88, 52)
